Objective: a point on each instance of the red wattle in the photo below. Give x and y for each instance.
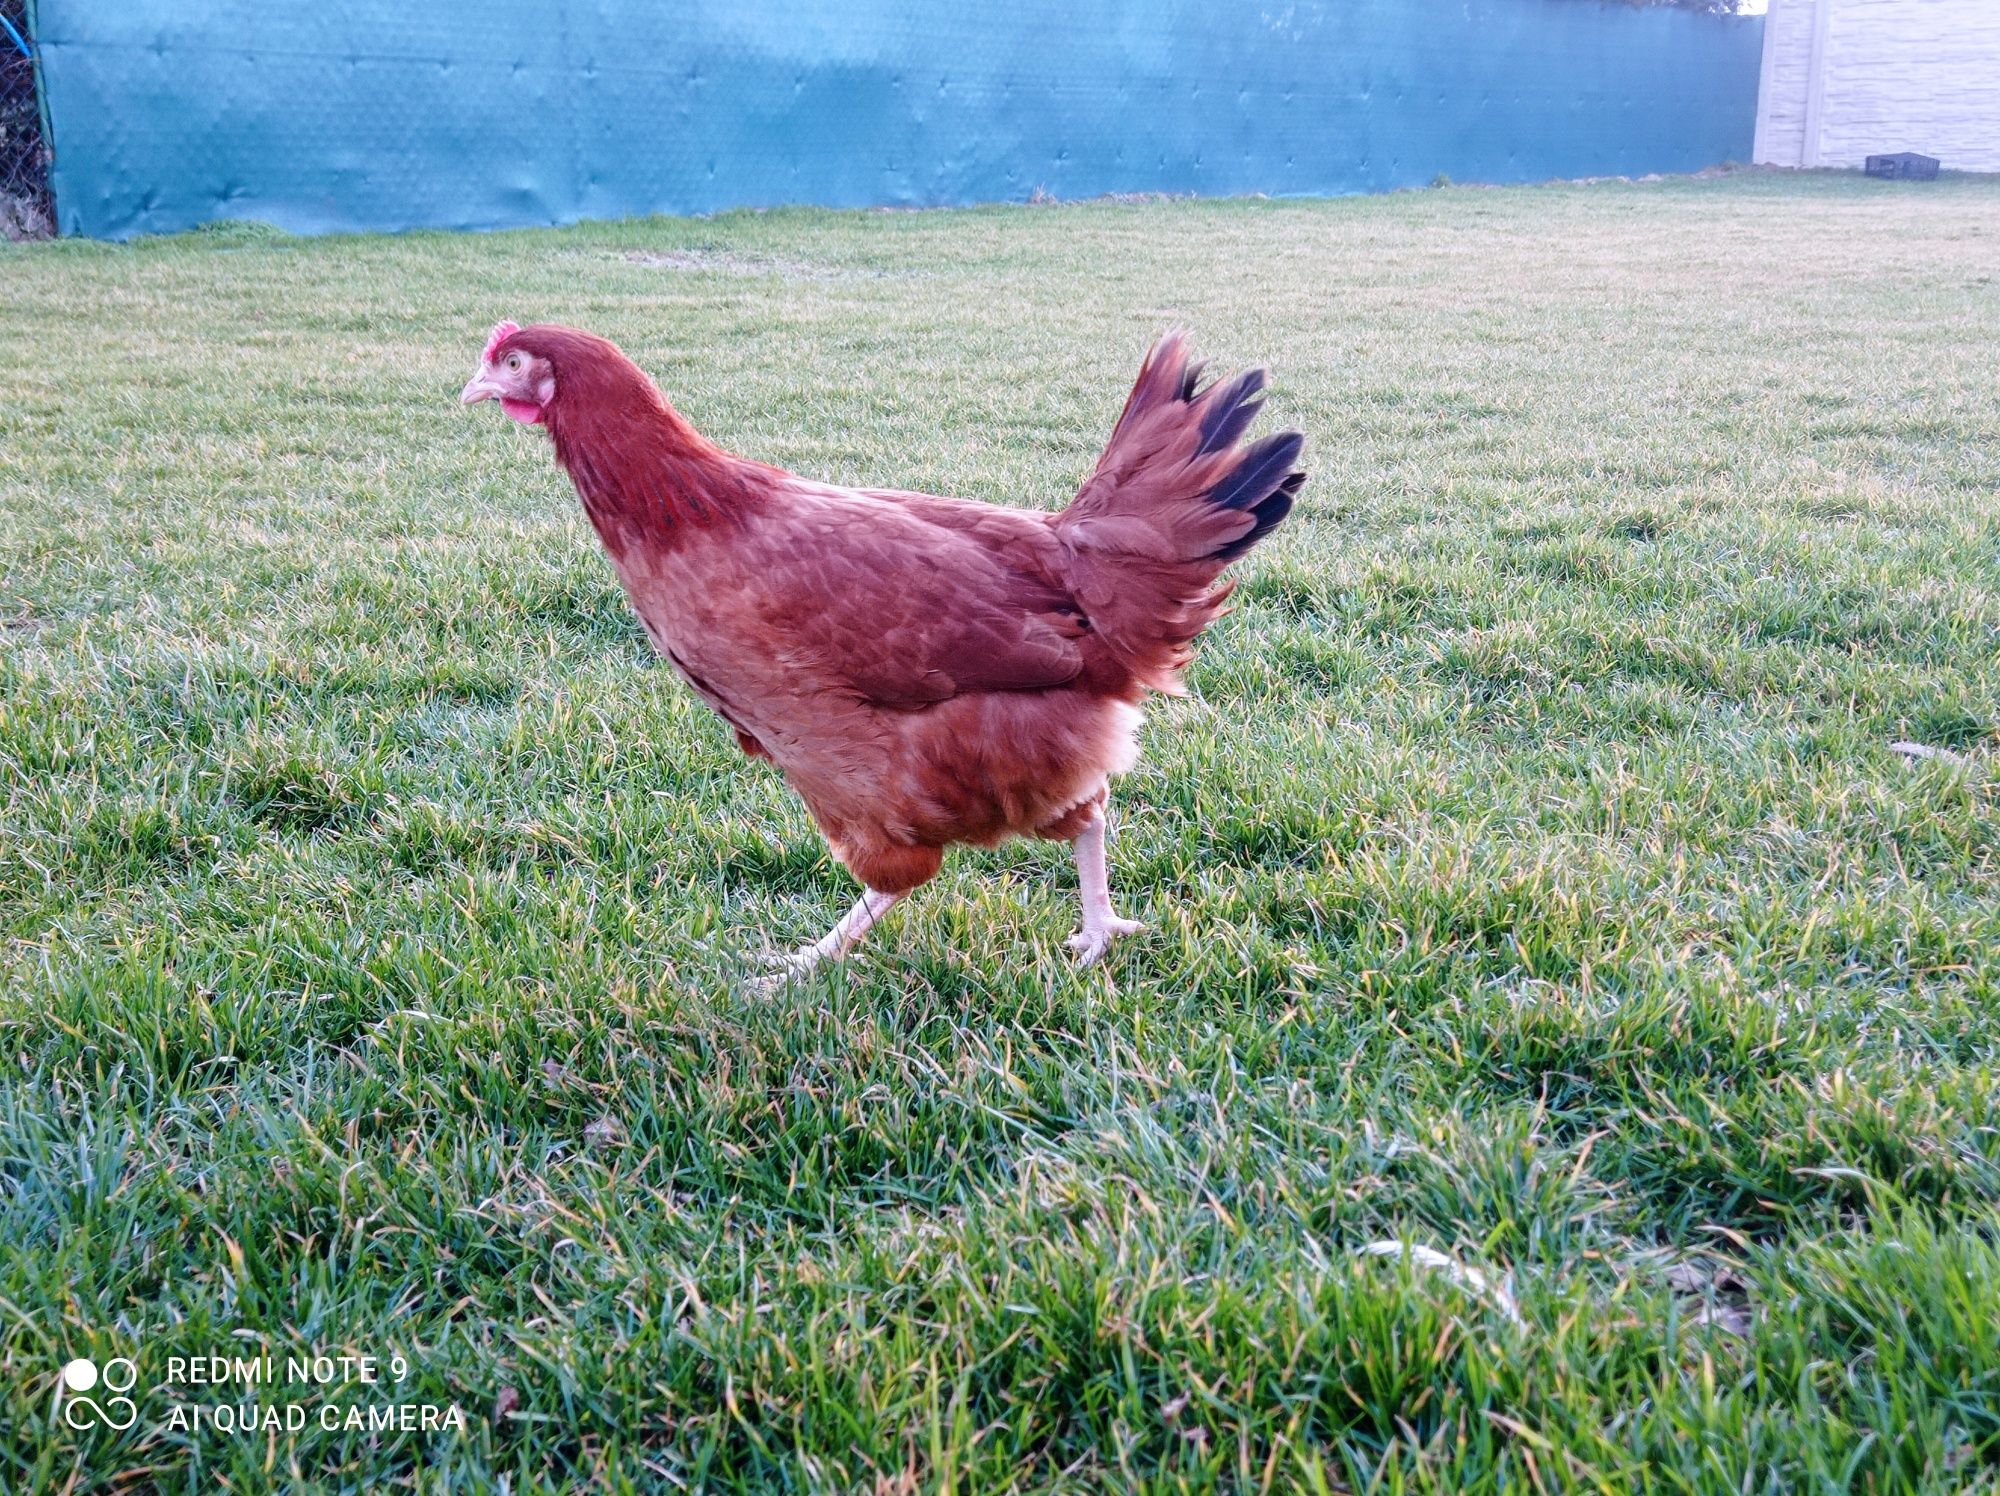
(525, 411)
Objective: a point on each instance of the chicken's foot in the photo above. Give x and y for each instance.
(837, 942)
(1100, 925)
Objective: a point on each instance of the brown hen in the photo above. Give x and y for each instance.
(923, 670)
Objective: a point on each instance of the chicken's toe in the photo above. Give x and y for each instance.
(1093, 940)
(1089, 945)
(777, 970)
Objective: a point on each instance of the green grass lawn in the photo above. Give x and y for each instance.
(1528, 874)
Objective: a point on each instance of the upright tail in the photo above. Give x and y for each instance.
(1176, 497)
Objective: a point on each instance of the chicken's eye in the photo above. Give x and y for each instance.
(514, 361)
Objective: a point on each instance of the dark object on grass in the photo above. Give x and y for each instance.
(1903, 166)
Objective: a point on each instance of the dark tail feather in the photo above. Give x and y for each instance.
(1261, 468)
(1262, 482)
(1231, 410)
(1191, 378)
(1270, 509)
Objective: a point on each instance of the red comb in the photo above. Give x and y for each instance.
(502, 331)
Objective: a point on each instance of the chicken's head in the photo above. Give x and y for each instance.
(522, 381)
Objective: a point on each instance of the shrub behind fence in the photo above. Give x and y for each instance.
(26, 209)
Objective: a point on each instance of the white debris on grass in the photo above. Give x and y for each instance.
(1916, 752)
(1471, 1279)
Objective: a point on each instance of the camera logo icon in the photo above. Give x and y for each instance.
(82, 1377)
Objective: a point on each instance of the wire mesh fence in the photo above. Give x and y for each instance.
(27, 209)
(384, 115)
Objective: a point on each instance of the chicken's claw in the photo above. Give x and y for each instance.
(1092, 941)
(777, 970)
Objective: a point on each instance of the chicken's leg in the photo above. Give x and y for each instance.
(842, 938)
(1100, 925)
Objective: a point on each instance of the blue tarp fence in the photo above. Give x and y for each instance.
(394, 114)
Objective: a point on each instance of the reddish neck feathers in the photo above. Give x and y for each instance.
(645, 476)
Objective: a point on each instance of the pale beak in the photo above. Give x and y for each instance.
(477, 389)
